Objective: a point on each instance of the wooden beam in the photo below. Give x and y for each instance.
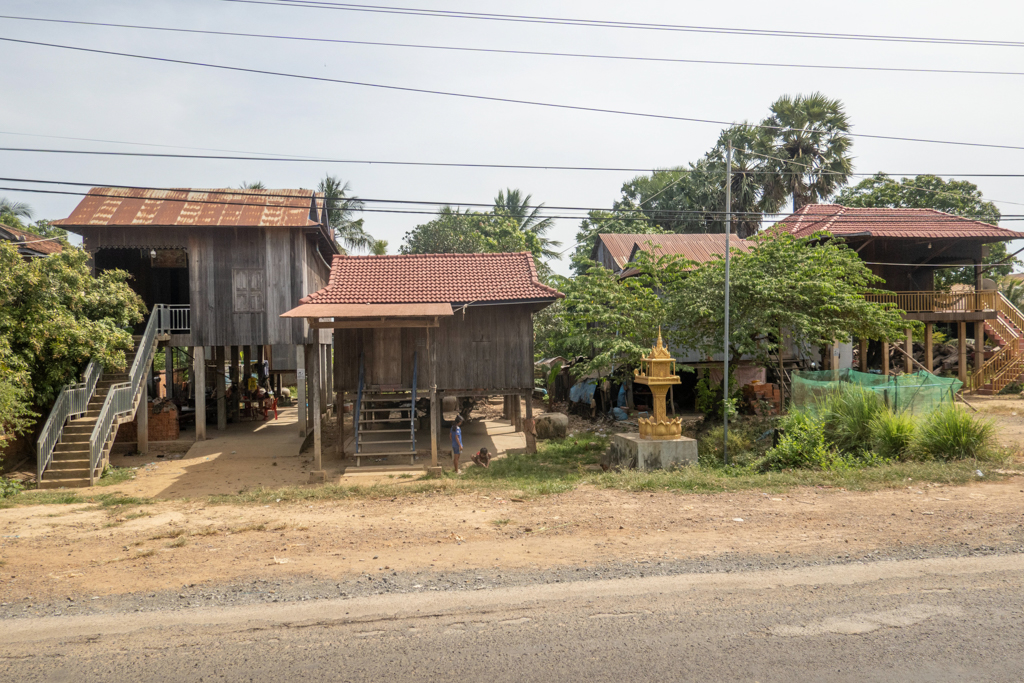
(310, 351)
(885, 357)
(218, 379)
(199, 389)
(339, 396)
(863, 354)
(929, 361)
(979, 346)
(142, 419)
(236, 385)
(962, 341)
(908, 367)
(350, 324)
(435, 417)
(316, 376)
(528, 426)
(168, 371)
(300, 387)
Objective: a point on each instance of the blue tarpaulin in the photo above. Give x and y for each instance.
(583, 392)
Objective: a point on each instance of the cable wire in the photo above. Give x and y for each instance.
(486, 98)
(536, 53)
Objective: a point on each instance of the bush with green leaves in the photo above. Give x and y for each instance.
(742, 449)
(951, 433)
(891, 434)
(803, 446)
(9, 487)
(847, 412)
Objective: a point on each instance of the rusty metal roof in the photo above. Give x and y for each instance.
(29, 243)
(122, 206)
(699, 248)
(885, 222)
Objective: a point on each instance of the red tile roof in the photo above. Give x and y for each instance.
(124, 206)
(700, 247)
(884, 222)
(26, 241)
(432, 278)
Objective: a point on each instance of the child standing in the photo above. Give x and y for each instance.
(456, 442)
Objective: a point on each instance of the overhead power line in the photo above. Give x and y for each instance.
(598, 23)
(486, 98)
(536, 53)
(270, 194)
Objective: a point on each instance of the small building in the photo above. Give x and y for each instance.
(614, 251)
(28, 244)
(904, 247)
(409, 328)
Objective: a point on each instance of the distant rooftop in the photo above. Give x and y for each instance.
(28, 243)
(700, 248)
(896, 223)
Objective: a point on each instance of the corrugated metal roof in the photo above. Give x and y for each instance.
(432, 278)
(885, 222)
(699, 248)
(121, 206)
(27, 242)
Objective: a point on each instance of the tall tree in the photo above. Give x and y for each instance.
(512, 203)
(252, 185)
(811, 146)
(957, 197)
(12, 213)
(455, 232)
(341, 207)
(379, 248)
(619, 222)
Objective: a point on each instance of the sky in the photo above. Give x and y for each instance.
(128, 104)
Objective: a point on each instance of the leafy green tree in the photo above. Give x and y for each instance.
(455, 232)
(811, 144)
(512, 203)
(957, 197)
(12, 213)
(341, 207)
(380, 248)
(812, 293)
(252, 185)
(45, 228)
(55, 316)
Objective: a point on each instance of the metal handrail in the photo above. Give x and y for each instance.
(122, 398)
(72, 401)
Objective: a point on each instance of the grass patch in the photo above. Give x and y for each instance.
(500, 522)
(180, 542)
(116, 475)
(172, 533)
(113, 500)
(144, 553)
(247, 527)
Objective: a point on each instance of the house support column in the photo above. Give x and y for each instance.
(300, 387)
(169, 372)
(339, 396)
(517, 412)
(528, 426)
(908, 363)
(199, 389)
(246, 369)
(885, 356)
(218, 378)
(979, 345)
(962, 341)
(863, 354)
(142, 420)
(332, 400)
(316, 373)
(311, 384)
(235, 384)
(435, 409)
(929, 329)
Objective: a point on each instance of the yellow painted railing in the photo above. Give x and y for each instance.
(1003, 359)
(940, 302)
(1011, 312)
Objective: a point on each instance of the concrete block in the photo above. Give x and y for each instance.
(318, 477)
(552, 425)
(632, 452)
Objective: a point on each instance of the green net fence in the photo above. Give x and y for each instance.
(920, 392)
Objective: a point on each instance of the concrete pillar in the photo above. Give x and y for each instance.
(962, 341)
(885, 356)
(316, 374)
(142, 419)
(979, 345)
(219, 383)
(329, 377)
(863, 354)
(435, 408)
(300, 387)
(531, 434)
(168, 371)
(311, 385)
(339, 397)
(199, 387)
(908, 364)
(928, 343)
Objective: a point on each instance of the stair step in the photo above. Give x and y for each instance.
(386, 468)
(63, 465)
(62, 483)
(385, 431)
(370, 443)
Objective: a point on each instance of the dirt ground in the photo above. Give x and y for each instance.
(50, 551)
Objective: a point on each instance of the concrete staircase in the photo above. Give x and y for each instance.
(70, 465)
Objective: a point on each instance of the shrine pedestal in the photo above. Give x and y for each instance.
(632, 452)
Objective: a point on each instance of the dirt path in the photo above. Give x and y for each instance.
(72, 551)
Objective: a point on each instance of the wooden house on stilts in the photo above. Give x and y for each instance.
(409, 330)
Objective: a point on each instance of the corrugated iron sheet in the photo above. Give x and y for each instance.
(698, 248)
(885, 222)
(194, 207)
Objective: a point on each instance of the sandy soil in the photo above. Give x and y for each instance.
(56, 550)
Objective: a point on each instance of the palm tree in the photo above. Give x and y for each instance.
(811, 148)
(379, 248)
(340, 207)
(512, 203)
(255, 185)
(12, 212)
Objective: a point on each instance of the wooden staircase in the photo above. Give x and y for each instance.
(70, 466)
(1007, 365)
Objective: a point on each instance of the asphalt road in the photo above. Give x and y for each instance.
(956, 619)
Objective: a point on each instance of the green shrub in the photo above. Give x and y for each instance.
(950, 433)
(891, 434)
(847, 412)
(709, 447)
(802, 446)
(9, 487)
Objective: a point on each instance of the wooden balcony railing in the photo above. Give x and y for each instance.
(939, 302)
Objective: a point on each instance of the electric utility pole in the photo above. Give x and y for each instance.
(725, 358)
